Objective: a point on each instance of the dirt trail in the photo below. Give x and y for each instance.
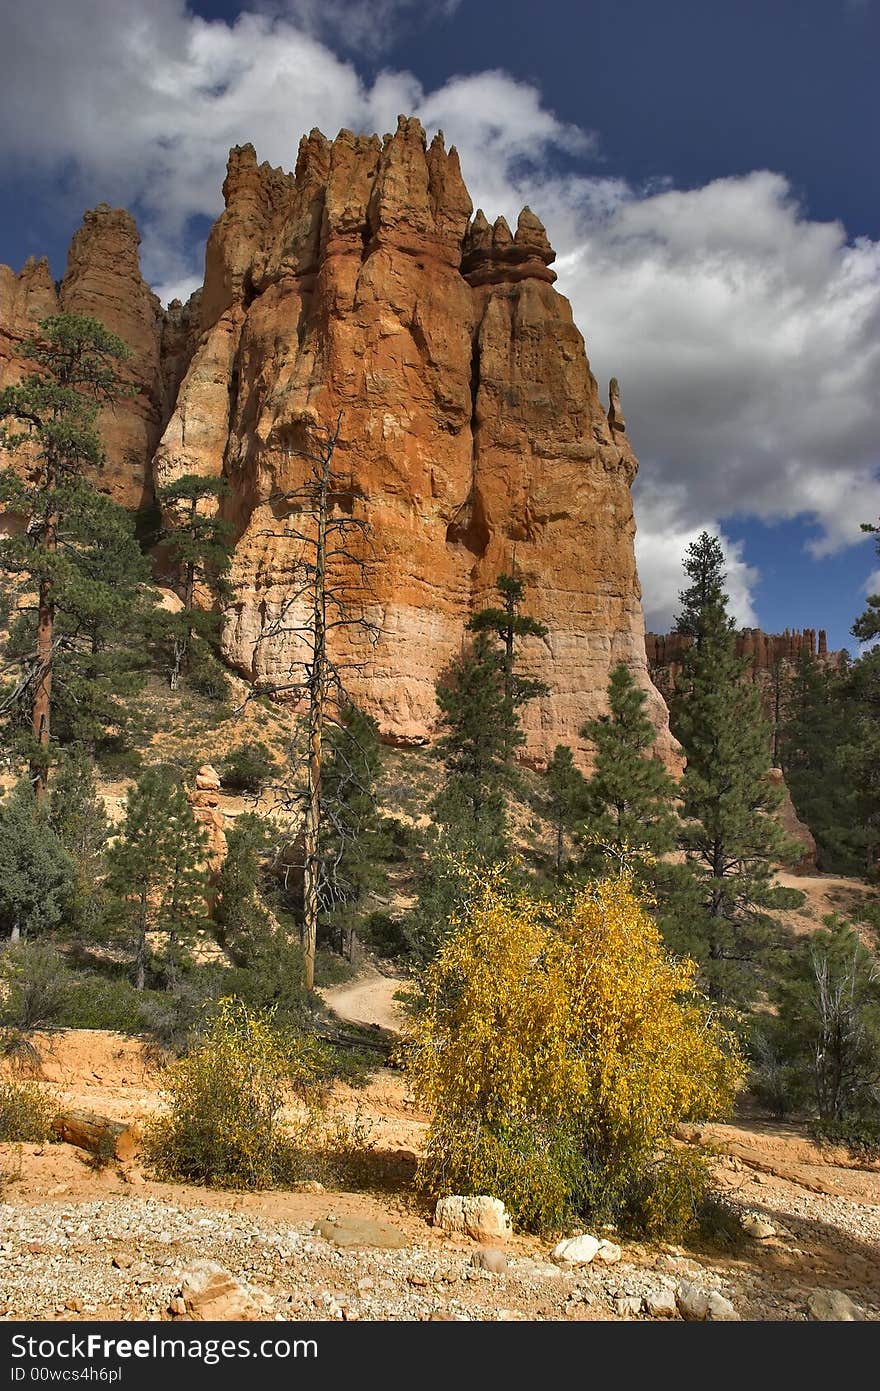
(368, 999)
(825, 894)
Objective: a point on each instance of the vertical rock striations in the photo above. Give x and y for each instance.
(103, 281)
(473, 438)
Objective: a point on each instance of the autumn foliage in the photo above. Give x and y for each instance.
(557, 1046)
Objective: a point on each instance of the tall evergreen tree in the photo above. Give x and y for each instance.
(859, 754)
(565, 800)
(867, 625)
(629, 798)
(717, 908)
(36, 872)
(482, 733)
(78, 817)
(818, 726)
(76, 573)
(199, 544)
(508, 623)
(157, 869)
(356, 843)
(240, 913)
(703, 615)
(480, 697)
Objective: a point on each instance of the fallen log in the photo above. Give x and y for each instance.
(97, 1134)
(384, 1045)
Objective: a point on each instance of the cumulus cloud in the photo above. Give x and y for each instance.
(666, 529)
(745, 334)
(747, 339)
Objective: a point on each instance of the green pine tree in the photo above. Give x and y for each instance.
(198, 541)
(717, 905)
(630, 795)
(564, 802)
(78, 817)
(818, 725)
(867, 625)
(482, 734)
(508, 623)
(860, 749)
(240, 912)
(36, 872)
(73, 572)
(355, 845)
(157, 870)
(859, 754)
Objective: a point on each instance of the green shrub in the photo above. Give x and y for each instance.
(25, 1112)
(858, 1134)
(102, 1002)
(225, 1125)
(34, 984)
(116, 758)
(272, 977)
(206, 674)
(173, 1017)
(385, 936)
(248, 767)
(672, 1198)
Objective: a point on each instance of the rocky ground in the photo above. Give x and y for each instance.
(76, 1242)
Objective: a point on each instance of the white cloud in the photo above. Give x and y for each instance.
(747, 341)
(746, 335)
(666, 529)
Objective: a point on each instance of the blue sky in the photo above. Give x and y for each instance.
(706, 172)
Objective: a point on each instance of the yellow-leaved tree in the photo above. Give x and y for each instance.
(557, 1046)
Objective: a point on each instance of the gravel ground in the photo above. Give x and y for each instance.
(124, 1258)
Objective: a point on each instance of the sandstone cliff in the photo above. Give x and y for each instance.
(103, 280)
(473, 436)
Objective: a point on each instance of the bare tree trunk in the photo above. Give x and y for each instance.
(317, 695)
(140, 960)
(41, 707)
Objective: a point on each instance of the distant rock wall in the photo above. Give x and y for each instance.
(764, 650)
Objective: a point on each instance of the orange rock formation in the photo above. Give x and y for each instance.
(473, 437)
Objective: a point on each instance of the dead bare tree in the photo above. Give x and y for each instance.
(332, 594)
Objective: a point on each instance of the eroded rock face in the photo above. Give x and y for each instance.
(103, 281)
(473, 440)
(472, 434)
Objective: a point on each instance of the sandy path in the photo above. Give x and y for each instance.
(369, 999)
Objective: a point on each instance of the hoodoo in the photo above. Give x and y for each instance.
(473, 437)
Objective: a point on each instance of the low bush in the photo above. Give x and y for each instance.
(34, 984)
(385, 936)
(557, 1046)
(206, 674)
(225, 1125)
(248, 767)
(860, 1135)
(96, 1001)
(25, 1112)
